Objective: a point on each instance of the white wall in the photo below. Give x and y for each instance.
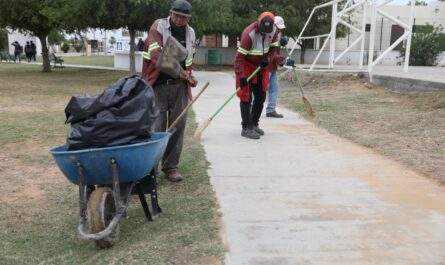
(22, 39)
(434, 13)
(122, 60)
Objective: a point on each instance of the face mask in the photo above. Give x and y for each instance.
(176, 28)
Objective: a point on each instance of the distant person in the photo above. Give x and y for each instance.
(140, 45)
(33, 51)
(256, 49)
(18, 49)
(28, 51)
(273, 81)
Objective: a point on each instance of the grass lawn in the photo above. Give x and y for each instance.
(407, 127)
(96, 60)
(39, 207)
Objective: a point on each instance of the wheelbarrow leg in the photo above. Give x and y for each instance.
(154, 193)
(82, 193)
(143, 202)
(116, 185)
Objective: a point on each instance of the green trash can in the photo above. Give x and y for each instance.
(212, 57)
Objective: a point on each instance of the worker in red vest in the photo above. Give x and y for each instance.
(257, 49)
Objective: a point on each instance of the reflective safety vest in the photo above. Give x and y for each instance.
(253, 49)
(157, 36)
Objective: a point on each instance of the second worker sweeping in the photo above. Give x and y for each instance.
(256, 48)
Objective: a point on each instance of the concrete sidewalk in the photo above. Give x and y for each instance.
(300, 195)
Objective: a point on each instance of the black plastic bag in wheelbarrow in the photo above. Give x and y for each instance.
(122, 114)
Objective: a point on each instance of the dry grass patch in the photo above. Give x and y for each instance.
(407, 127)
(39, 207)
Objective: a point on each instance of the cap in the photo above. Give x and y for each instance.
(279, 22)
(182, 7)
(266, 22)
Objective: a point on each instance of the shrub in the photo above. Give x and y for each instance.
(65, 47)
(78, 47)
(426, 44)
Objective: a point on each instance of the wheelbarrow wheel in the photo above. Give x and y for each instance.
(101, 210)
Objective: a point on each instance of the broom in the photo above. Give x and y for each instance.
(199, 131)
(307, 105)
(187, 108)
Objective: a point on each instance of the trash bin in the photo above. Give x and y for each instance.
(212, 57)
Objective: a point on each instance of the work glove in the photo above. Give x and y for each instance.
(264, 63)
(283, 41)
(242, 82)
(290, 62)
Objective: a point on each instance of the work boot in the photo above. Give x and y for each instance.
(173, 175)
(250, 133)
(274, 114)
(258, 130)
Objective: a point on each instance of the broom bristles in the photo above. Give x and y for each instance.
(307, 105)
(199, 131)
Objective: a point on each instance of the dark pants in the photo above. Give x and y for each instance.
(17, 56)
(251, 112)
(171, 101)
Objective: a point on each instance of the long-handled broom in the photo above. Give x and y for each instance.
(199, 131)
(170, 128)
(307, 105)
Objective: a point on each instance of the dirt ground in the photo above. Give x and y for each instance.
(407, 127)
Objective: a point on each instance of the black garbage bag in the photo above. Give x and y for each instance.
(122, 114)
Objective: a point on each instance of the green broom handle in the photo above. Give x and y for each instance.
(234, 93)
(297, 79)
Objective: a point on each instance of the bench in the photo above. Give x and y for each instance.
(56, 59)
(5, 56)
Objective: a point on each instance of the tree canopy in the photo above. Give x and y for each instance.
(38, 17)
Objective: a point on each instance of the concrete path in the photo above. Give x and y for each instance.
(300, 195)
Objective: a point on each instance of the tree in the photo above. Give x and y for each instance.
(112, 41)
(134, 15)
(295, 14)
(3, 39)
(427, 43)
(38, 17)
(418, 3)
(55, 38)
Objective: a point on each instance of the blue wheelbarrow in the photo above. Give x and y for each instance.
(106, 178)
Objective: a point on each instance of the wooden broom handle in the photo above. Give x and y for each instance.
(187, 108)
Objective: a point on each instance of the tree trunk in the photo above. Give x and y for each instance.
(303, 51)
(132, 60)
(233, 41)
(45, 54)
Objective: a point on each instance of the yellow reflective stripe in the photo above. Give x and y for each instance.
(146, 55)
(275, 44)
(188, 62)
(153, 47)
(255, 52)
(242, 51)
(258, 52)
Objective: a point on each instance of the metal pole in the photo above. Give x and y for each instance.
(363, 33)
(408, 42)
(333, 29)
(372, 33)
(381, 29)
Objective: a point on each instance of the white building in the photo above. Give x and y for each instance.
(386, 33)
(22, 39)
